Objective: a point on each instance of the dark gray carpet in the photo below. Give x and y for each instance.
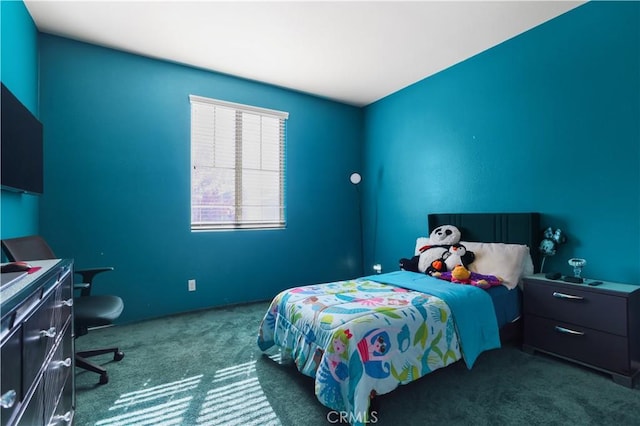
(204, 368)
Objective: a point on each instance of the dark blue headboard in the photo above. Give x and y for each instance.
(511, 228)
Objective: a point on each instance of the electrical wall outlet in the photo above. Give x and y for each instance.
(192, 285)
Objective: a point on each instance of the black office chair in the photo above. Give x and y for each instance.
(89, 310)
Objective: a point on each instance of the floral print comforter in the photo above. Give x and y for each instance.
(359, 338)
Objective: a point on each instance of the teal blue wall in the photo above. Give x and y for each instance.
(19, 72)
(117, 183)
(544, 122)
(547, 121)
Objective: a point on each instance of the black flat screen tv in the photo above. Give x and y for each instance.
(21, 157)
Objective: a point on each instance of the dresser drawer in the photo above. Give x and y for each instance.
(591, 309)
(63, 302)
(65, 295)
(11, 362)
(58, 372)
(578, 343)
(63, 414)
(39, 336)
(33, 414)
(37, 352)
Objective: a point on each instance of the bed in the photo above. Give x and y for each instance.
(364, 337)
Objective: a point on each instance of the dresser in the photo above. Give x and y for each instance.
(595, 326)
(37, 352)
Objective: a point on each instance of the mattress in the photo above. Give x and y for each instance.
(506, 303)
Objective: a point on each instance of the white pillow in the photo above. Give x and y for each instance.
(507, 261)
(527, 268)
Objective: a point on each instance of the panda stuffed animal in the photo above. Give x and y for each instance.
(430, 251)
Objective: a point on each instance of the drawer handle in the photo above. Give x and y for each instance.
(8, 399)
(65, 363)
(57, 419)
(67, 302)
(569, 331)
(566, 296)
(48, 333)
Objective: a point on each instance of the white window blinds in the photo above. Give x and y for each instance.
(237, 165)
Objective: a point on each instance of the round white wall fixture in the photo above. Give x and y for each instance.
(355, 178)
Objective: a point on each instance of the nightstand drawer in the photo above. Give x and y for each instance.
(591, 309)
(578, 343)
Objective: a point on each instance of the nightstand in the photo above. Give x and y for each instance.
(595, 326)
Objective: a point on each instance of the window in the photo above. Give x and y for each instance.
(237, 165)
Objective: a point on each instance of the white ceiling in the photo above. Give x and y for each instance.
(352, 51)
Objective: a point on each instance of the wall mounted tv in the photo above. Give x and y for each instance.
(21, 156)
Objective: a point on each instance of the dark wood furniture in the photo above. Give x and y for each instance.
(595, 326)
(37, 383)
(90, 310)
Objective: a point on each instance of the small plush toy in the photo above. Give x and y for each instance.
(551, 240)
(458, 255)
(461, 275)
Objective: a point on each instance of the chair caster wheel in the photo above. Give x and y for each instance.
(104, 379)
(118, 356)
